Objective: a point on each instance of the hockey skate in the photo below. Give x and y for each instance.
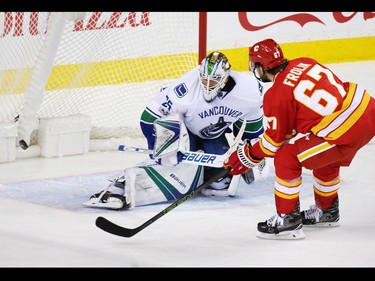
(316, 217)
(218, 188)
(282, 227)
(108, 200)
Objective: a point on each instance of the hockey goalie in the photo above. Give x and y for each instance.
(195, 113)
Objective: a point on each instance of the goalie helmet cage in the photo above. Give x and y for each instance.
(104, 65)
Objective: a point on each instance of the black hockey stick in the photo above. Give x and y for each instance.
(115, 229)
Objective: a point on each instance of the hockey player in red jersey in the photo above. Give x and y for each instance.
(333, 120)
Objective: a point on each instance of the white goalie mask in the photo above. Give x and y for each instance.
(213, 74)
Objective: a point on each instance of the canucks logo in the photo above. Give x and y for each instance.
(215, 130)
(180, 90)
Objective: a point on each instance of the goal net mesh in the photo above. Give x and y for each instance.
(107, 65)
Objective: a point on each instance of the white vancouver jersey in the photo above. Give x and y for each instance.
(209, 120)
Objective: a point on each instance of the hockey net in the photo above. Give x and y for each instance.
(105, 65)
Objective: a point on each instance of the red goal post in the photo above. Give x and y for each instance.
(104, 65)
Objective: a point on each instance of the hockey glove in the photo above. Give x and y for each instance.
(241, 161)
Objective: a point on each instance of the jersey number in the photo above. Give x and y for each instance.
(314, 101)
(168, 103)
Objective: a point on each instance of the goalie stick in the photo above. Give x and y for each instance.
(115, 229)
(190, 157)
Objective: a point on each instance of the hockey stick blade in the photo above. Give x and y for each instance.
(115, 229)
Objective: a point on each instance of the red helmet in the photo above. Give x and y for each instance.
(267, 52)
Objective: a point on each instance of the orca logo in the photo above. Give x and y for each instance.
(215, 130)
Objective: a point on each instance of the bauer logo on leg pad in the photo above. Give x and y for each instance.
(195, 157)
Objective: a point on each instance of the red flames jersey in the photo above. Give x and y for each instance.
(308, 97)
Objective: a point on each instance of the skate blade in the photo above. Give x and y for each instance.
(285, 235)
(322, 225)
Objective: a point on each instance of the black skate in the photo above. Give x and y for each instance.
(282, 226)
(316, 217)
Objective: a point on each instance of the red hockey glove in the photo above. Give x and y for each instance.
(241, 161)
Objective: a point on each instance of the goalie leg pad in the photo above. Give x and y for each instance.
(151, 184)
(148, 183)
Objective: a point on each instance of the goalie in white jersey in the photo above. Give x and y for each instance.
(201, 107)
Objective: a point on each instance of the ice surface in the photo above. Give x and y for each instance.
(43, 224)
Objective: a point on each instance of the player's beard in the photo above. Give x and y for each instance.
(265, 79)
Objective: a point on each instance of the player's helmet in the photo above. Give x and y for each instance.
(267, 53)
(213, 74)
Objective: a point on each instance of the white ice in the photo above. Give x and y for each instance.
(43, 224)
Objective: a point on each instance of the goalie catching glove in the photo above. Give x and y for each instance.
(241, 161)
